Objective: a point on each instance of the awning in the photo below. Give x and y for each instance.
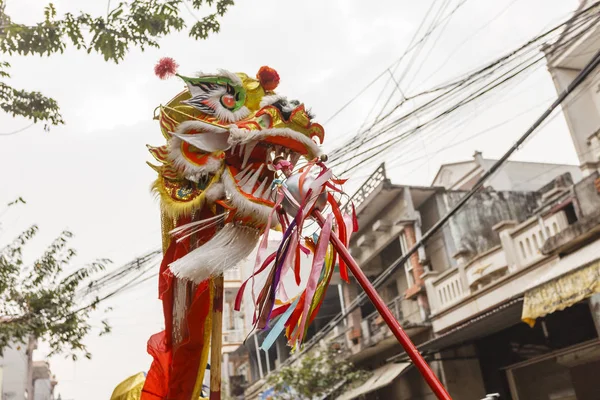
(562, 292)
(381, 377)
(494, 320)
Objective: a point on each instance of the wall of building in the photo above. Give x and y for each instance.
(595, 91)
(366, 254)
(581, 113)
(410, 386)
(450, 174)
(42, 389)
(588, 198)
(14, 377)
(471, 227)
(462, 373)
(527, 176)
(440, 248)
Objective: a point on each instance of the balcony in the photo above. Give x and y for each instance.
(371, 335)
(232, 277)
(374, 328)
(373, 182)
(493, 276)
(233, 336)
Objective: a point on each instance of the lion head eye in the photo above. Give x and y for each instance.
(228, 101)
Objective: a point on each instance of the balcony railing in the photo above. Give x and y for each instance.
(519, 249)
(338, 340)
(367, 188)
(448, 289)
(374, 328)
(233, 275)
(531, 239)
(233, 336)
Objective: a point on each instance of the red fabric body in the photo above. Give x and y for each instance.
(174, 369)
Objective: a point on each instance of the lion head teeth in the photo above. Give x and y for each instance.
(248, 148)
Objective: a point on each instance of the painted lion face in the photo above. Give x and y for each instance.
(225, 134)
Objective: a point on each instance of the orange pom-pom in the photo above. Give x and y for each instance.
(165, 68)
(268, 78)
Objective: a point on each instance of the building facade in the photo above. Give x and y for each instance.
(248, 364)
(503, 300)
(21, 378)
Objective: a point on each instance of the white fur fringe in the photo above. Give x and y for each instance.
(225, 250)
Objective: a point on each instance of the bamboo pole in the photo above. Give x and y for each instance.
(216, 340)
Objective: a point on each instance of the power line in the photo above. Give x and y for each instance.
(392, 65)
(472, 97)
(453, 87)
(466, 98)
(473, 35)
(494, 168)
(576, 82)
(421, 43)
(17, 131)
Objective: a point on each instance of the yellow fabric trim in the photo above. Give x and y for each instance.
(167, 225)
(205, 349)
(561, 293)
(130, 388)
(175, 209)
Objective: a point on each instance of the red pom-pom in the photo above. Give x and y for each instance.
(165, 68)
(268, 78)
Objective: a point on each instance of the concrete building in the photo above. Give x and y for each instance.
(234, 326)
(512, 281)
(22, 378)
(14, 373)
(248, 365)
(439, 289)
(456, 264)
(43, 381)
(565, 60)
(504, 298)
(515, 176)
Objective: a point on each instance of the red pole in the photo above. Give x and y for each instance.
(432, 380)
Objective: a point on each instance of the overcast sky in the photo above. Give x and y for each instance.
(90, 175)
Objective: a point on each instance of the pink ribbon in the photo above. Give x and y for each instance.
(315, 273)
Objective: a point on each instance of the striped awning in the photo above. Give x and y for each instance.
(561, 292)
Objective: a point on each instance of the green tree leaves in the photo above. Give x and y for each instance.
(318, 373)
(42, 300)
(132, 24)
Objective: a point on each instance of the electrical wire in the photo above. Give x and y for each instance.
(453, 86)
(377, 149)
(434, 24)
(371, 83)
(589, 68)
(17, 131)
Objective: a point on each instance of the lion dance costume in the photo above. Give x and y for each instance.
(239, 160)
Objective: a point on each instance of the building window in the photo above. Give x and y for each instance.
(408, 267)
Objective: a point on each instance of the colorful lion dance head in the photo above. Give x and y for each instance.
(225, 137)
